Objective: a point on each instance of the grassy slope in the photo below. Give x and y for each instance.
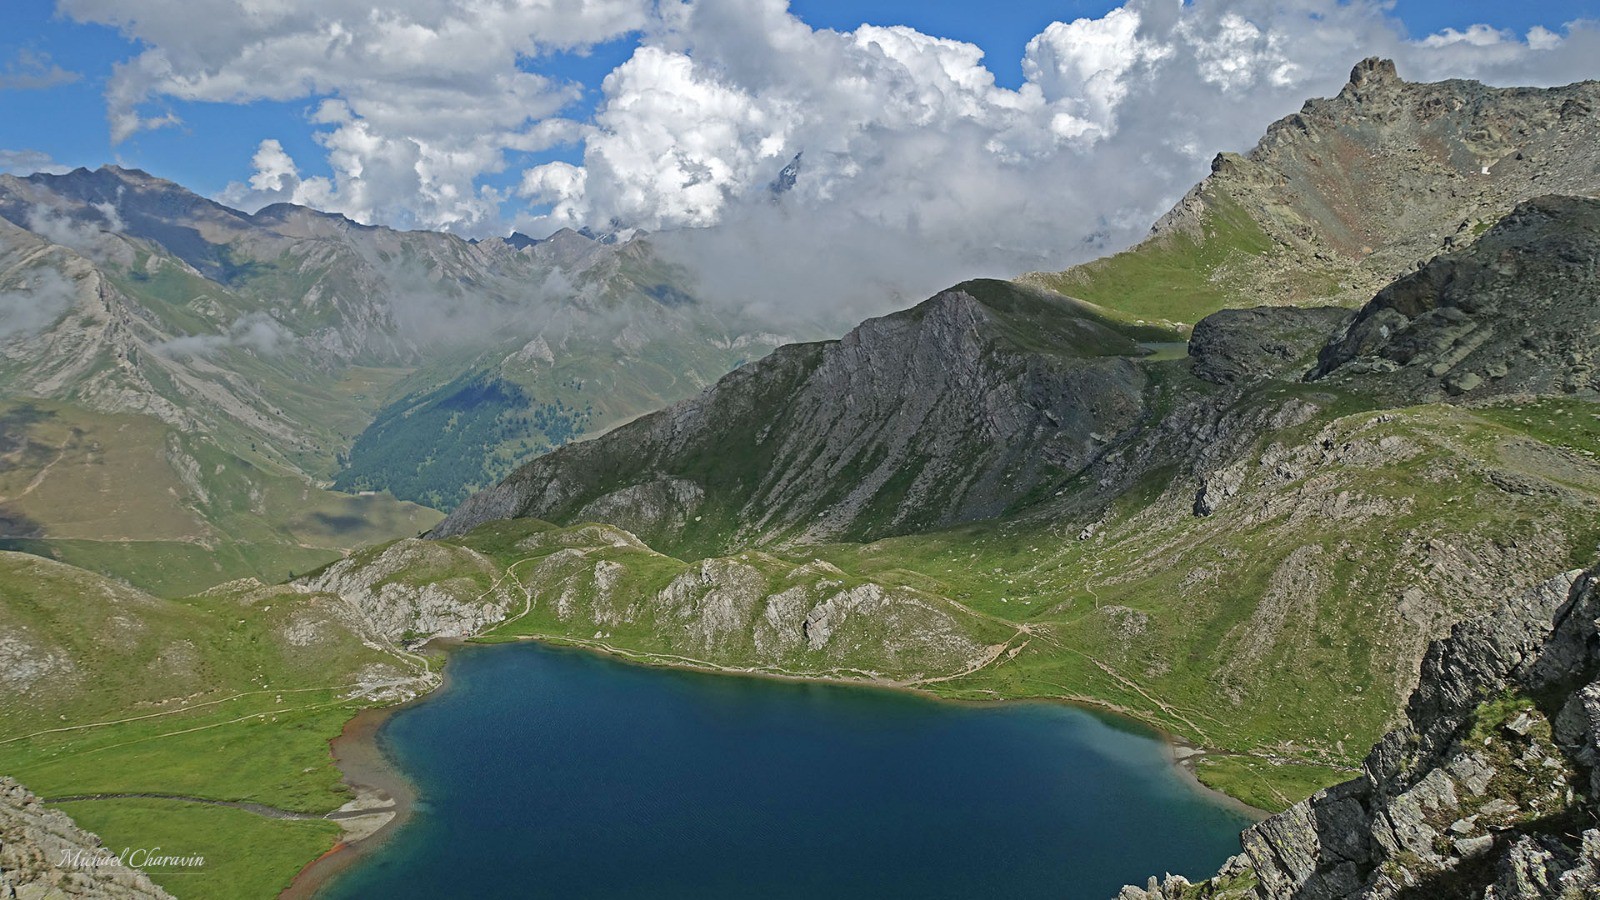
(230, 696)
(1180, 277)
(1148, 614)
(244, 854)
(129, 497)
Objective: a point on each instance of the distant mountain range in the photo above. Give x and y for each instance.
(225, 370)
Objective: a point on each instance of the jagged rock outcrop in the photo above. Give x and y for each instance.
(43, 855)
(1517, 312)
(415, 588)
(1232, 882)
(1491, 789)
(1237, 345)
(955, 410)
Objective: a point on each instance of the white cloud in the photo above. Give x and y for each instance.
(255, 331)
(1474, 35)
(1086, 62)
(553, 182)
(32, 70)
(919, 169)
(275, 171)
(84, 234)
(27, 162)
(34, 305)
(427, 95)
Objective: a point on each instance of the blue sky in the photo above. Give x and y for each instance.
(55, 73)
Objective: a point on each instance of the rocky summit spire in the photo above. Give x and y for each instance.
(1371, 74)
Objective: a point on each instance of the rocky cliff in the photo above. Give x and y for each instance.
(1517, 314)
(958, 409)
(43, 855)
(1490, 790)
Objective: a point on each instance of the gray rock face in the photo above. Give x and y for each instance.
(44, 855)
(1239, 345)
(1489, 790)
(666, 504)
(952, 411)
(1459, 326)
(441, 595)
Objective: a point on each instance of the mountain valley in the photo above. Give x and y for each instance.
(1240, 483)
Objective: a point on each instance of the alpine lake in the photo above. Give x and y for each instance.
(551, 772)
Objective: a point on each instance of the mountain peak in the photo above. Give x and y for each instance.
(1373, 72)
(788, 177)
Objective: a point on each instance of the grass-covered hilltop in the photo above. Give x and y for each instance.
(1231, 482)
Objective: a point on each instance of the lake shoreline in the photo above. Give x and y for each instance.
(1181, 753)
(369, 772)
(359, 754)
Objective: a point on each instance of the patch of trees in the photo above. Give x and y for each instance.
(437, 447)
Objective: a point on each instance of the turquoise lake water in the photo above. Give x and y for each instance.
(547, 772)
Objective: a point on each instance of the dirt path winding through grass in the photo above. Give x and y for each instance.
(260, 809)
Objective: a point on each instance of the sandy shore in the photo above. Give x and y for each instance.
(1185, 756)
(384, 799)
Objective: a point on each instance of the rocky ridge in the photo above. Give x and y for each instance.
(1391, 172)
(1354, 191)
(1459, 325)
(599, 584)
(955, 410)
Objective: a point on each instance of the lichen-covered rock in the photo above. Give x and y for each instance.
(1488, 791)
(43, 855)
(1458, 327)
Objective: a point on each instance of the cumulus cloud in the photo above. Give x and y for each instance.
(32, 70)
(919, 168)
(34, 305)
(255, 331)
(422, 97)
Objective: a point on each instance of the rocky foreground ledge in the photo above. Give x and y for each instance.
(44, 855)
(1489, 791)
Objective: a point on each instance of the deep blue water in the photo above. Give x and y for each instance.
(546, 772)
